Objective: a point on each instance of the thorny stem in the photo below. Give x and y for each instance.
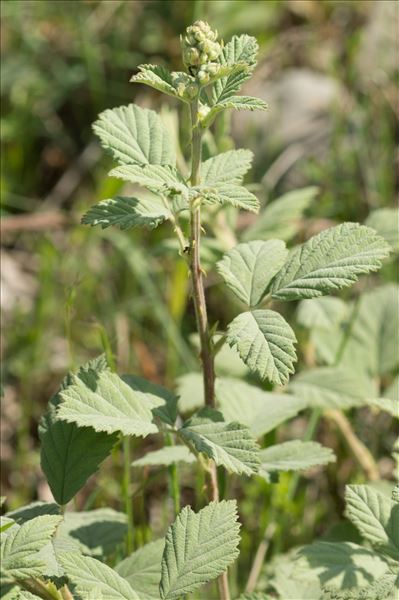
(206, 351)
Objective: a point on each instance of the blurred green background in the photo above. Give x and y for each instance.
(328, 70)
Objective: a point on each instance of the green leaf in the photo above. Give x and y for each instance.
(344, 564)
(295, 456)
(249, 268)
(240, 49)
(331, 260)
(157, 77)
(237, 103)
(223, 193)
(330, 387)
(106, 403)
(97, 532)
(255, 596)
(385, 221)
(199, 547)
(228, 167)
(88, 574)
(162, 401)
(265, 342)
(20, 548)
(281, 218)
(166, 456)
(261, 411)
(135, 135)
(157, 178)
(32, 510)
(62, 447)
(387, 405)
(379, 589)
(142, 569)
(325, 312)
(126, 212)
(230, 445)
(376, 516)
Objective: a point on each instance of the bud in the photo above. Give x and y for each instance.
(203, 76)
(200, 47)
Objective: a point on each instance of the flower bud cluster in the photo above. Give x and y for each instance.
(200, 50)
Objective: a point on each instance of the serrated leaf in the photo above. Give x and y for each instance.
(198, 548)
(230, 445)
(32, 510)
(240, 49)
(387, 405)
(330, 387)
(142, 569)
(261, 411)
(248, 268)
(166, 456)
(223, 193)
(237, 103)
(63, 444)
(127, 212)
(385, 221)
(295, 456)
(87, 574)
(325, 312)
(97, 532)
(281, 218)
(21, 546)
(162, 401)
(265, 342)
(255, 596)
(135, 135)
(380, 589)
(106, 403)
(228, 167)
(157, 77)
(344, 564)
(157, 178)
(376, 516)
(331, 260)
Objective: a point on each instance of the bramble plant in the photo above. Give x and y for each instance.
(50, 552)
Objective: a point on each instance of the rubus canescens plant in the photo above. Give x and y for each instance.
(49, 552)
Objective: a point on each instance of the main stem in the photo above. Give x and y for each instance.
(206, 351)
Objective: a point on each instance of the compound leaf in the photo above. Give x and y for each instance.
(198, 548)
(106, 403)
(295, 456)
(331, 260)
(248, 268)
(142, 569)
(228, 167)
(376, 516)
(88, 574)
(230, 445)
(265, 343)
(166, 456)
(127, 212)
(20, 549)
(135, 135)
(331, 387)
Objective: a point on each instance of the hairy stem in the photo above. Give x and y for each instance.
(206, 350)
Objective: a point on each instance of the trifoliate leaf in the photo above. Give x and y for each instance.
(230, 445)
(106, 403)
(165, 456)
(265, 342)
(295, 456)
(142, 569)
(343, 565)
(223, 193)
(261, 411)
(240, 49)
(331, 260)
(385, 221)
(376, 516)
(21, 546)
(98, 532)
(158, 178)
(198, 548)
(87, 574)
(325, 312)
(127, 212)
(330, 387)
(135, 135)
(157, 77)
(228, 167)
(281, 218)
(249, 268)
